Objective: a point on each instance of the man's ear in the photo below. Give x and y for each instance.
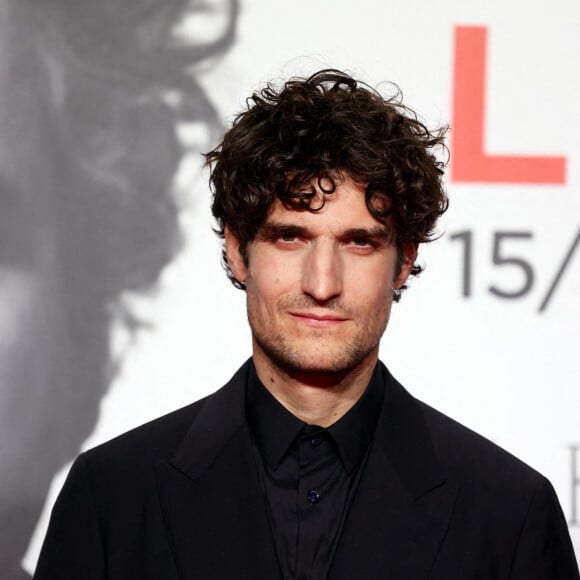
(234, 256)
(409, 255)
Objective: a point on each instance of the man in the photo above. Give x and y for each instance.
(313, 462)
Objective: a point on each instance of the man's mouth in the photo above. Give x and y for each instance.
(318, 320)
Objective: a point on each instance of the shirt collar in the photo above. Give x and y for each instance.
(275, 428)
(272, 425)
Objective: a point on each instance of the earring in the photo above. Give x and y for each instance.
(396, 293)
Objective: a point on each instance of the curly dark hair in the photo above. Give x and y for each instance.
(316, 130)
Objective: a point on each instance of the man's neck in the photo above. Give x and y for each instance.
(317, 399)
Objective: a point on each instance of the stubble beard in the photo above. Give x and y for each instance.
(318, 353)
(292, 361)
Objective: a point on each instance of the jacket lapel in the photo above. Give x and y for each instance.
(403, 505)
(211, 495)
(394, 529)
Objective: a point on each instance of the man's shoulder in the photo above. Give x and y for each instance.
(156, 439)
(473, 459)
(161, 437)
(461, 454)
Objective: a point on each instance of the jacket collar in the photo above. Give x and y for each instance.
(221, 416)
(402, 433)
(211, 496)
(403, 504)
(405, 439)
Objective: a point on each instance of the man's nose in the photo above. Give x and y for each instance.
(322, 272)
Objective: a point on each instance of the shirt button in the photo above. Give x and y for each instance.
(315, 441)
(313, 496)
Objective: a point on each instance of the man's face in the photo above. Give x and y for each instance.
(320, 284)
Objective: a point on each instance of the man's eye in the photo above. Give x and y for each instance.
(288, 240)
(362, 242)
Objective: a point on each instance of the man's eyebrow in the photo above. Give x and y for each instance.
(375, 233)
(273, 230)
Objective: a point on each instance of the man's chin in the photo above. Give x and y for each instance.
(326, 362)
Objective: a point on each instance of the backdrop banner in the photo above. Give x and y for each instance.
(114, 308)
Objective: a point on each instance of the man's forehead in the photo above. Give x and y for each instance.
(316, 192)
(340, 215)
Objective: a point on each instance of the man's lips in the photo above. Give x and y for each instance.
(319, 320)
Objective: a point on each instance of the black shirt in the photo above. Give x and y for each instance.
(309, 474)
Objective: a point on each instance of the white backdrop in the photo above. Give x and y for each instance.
(499, 365)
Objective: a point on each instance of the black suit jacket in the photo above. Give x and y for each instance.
(180, 498)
